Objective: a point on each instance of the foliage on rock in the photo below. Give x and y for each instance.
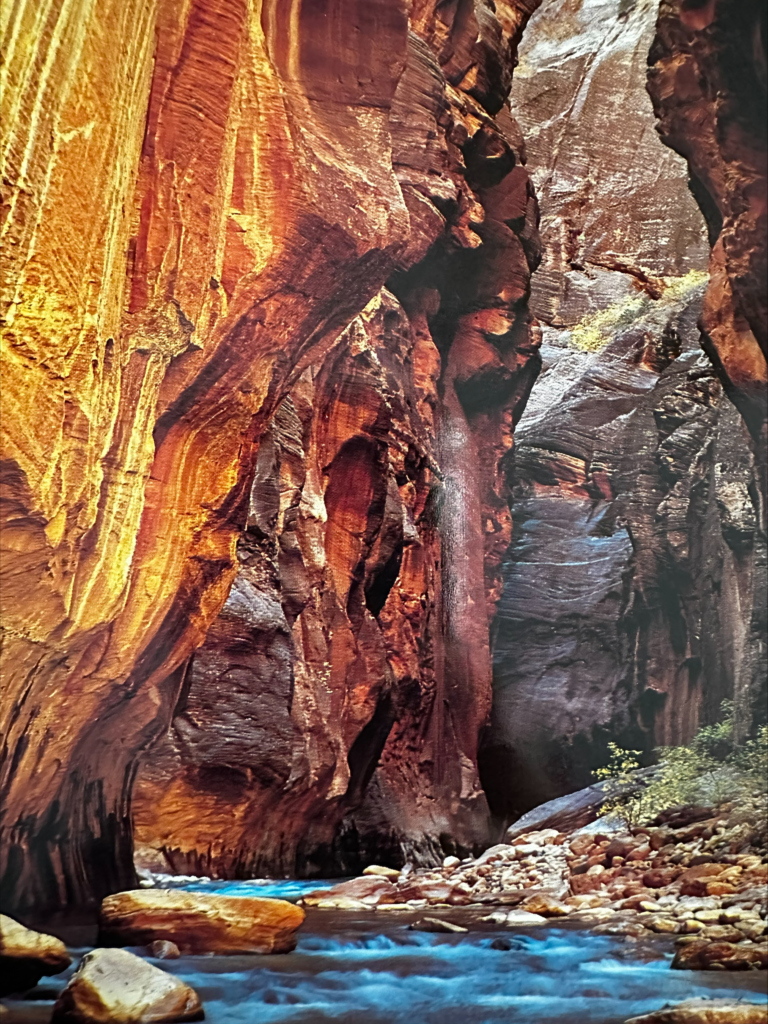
(712, 768)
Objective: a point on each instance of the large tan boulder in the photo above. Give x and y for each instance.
(706, 1011)
(26, 955)
(200, 922)
(113, 986)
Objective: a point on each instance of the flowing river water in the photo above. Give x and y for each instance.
(370, 968)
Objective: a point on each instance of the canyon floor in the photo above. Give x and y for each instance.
(594, 924)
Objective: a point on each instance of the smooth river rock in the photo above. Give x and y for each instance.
(113, 986)
(199, 922)
(706, 1011)
(26, 956)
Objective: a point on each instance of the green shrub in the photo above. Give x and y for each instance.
(712, 769)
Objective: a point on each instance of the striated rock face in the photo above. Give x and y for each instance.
(331, 718)
(634, 598)
(617, 213)
(708, 81)
(201, 198)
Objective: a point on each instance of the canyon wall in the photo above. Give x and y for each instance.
(634, 595)
(200, 198)
(333, 713)
(708, 79)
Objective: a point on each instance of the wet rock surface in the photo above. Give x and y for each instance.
(113, 986)
(26, 956)
(199, 923)
(705, 1011)
(699, 874)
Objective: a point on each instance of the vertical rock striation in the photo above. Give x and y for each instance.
(708, 81)
(199, 198)
(634, 596)
(333, 713)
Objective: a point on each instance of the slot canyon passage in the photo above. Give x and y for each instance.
(384, 448)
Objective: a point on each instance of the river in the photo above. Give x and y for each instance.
(370, 968)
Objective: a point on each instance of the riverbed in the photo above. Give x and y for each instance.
(372, 968)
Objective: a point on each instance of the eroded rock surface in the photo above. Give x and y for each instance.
(332, 716)
(634, 595)
(633, 601)
(617, 213)
(201, 198)
(707, 79)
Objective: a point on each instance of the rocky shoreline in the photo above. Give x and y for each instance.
(697, 876)
(698, 873)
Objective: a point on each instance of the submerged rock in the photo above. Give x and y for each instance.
(113, 986)
(26, 956)
(436, 924)
(164, 950)
(706, 1011)
(200, 923)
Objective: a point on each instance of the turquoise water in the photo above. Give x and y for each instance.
(283, 889)
(370, 968)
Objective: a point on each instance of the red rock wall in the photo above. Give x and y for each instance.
(707, 79)
(201, 197)
(333, 713)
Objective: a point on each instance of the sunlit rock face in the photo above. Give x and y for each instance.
(617, 213)
(707, 79)
(634, 598)
(202, 196)
(333, 713)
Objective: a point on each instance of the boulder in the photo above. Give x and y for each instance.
(113, 986)
(523, 919)
(706, 1011)
(370, 888)
(378, 869)
(565, 813)
(26, 956)
(704, 955)
(546, 905)
(199, 922)
(434, 891)
(659, 878)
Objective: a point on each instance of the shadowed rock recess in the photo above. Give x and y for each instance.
(267, 338)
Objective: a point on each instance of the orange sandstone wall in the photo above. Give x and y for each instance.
(198, 198)
(332, 715)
